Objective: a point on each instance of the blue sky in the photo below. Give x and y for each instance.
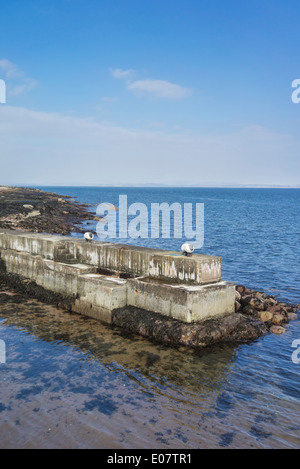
(140, 91)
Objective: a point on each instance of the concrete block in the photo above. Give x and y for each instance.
(184, 288)
(183, 302)
(198, 269)
(58, 277)
(134, 261)
(98, 296)
(32, 243)
(139, 261)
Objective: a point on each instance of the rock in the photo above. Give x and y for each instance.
(274, 308)
(265, 316)
(291, 309)
(237, 295)
(279, 310)
(258, 304)
(245, 299)
(253, 302)
(34, 213)
(237, 306)
(282, 304)
(277, 319)
(241, 289)
(260, 295)
(231, 328)
(29, 207)
(277, 330)
(249, 311)
(284, 313)
(292, 316)
(270, 301)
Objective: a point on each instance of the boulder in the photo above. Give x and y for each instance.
(253, 302)
(245, 299)
(249, 311)
(265, 316)
(270, 301)
(277, 330)
(260, 295)
(277, 319)
(278, 309)
(292, 316)
(241, 289)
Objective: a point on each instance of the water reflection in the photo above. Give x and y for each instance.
(121, 352)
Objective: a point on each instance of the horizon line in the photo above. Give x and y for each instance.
(164, 185)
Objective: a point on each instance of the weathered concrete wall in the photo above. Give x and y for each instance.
(94, 295)
(137, 261)
(118, 258)
(56, 276)
(99, 295)
(183, 302)
(31, 243)
(165, 282)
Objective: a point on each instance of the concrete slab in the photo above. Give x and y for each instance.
(98, 296)
(184, 288)
(58, 277)
(118, 258)
(32, 243)
(182, 302)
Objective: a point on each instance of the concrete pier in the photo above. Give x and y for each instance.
(102, 277)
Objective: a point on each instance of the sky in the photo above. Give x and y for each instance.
(174, 92)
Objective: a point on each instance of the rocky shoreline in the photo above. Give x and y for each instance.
(34, 210)
(258, 306)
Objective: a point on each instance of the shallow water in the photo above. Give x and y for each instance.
(72, 382)
(69, 381)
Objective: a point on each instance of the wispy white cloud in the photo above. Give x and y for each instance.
(9, 69)
(155, 88)
(122, 74)
(18, 82)
(159, 89)
(47, 148)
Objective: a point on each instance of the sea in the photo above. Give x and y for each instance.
(70, 382)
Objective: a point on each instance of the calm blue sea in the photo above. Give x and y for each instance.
(255, 231)
(94, 387)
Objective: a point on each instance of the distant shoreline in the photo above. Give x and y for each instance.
(153, 186)
(35, 210)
